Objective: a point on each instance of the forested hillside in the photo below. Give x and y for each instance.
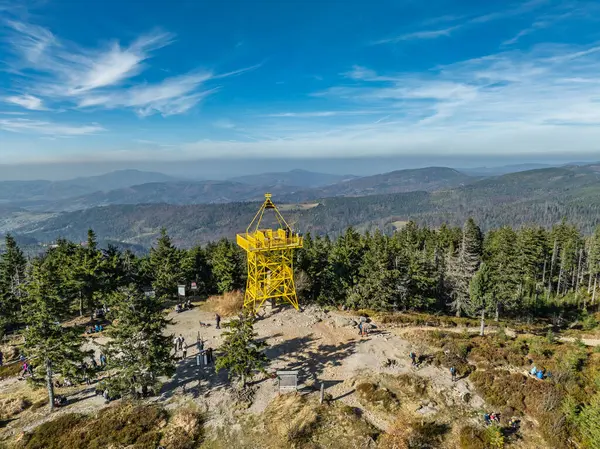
(530, 274)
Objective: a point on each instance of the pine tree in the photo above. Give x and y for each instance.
(314, 262)
(227, 265)
(197, 269)
(482, 292)
(138, 348)
(464, 267)
(345, 258)
(242, 355)
(163, 267)
(381, 285)
(50, 347)
(88, 270)
(12, 278)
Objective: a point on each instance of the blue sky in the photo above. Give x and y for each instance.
(191, 79)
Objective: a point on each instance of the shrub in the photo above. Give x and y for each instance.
(184, 429)
(134, 426)
(471, 437)
(377, 397)
(11, 370)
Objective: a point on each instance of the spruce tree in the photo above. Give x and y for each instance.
(482, 292)
(163, 267)
(227, 265)
(241, 354)
(138, 348)
(12, 278)
(464, 267)
(50, 347)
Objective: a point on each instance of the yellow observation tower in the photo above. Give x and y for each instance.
(270, 260)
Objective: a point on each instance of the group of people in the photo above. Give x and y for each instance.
(180, 307)
(539, 373)
(94, 329)
(180, 345)
(491, 418)
(363, 327)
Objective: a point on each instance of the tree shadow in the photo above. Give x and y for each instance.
(310, 358)
(188, 371)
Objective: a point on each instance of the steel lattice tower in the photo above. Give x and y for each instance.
(270, 260)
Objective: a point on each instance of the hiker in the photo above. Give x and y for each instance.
(209, 355)
(94, 364)
(486, 418)
(218, 320)
(413, 357)
(453, 373)
(1, 358)
(533, 371)
(540, 374)
(184, 353)
(514, 423)
(495, 417)
(181, 342)
(360, 328)
(25, 368)
(178, 308)
(175, 344)
(102, 360)
(200, 344)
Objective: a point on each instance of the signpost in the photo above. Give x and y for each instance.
(194, 286)
(288, 381)
(149, 292)
(181, 290)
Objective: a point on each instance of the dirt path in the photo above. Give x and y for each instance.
(324, 348)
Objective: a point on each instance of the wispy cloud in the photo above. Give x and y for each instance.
(224, 124)
(56, 70)
(27, 102)
(447, 31)
(22, 125)
(425, 34)
(310, 114)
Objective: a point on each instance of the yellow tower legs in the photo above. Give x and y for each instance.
(270, 276)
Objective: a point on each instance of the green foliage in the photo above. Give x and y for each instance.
(12, 278)
(138, 349)
(241, 354)
(227, 266)
(589, 422)
(51, 347)
(164, 267)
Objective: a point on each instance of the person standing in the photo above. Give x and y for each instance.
(1, 358)
(218, 320)
(453, 373)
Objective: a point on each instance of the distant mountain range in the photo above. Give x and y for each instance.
(543, 196)
(293, 178)
(288, 186)
(38, 192)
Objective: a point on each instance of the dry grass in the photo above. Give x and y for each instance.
(294, 421)
(10, 352)
(377, 397)
(291, 418)
(228, 304)
(125, 425)
(184, 429)
(407, 433)
(12, 406)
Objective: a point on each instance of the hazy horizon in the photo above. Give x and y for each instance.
(227, 168)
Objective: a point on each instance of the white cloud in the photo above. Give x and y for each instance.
(447, 31)
(310, 114)
(224, 124)
(62, 72)
(27, 102)
(424, 34)
(28, 126)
